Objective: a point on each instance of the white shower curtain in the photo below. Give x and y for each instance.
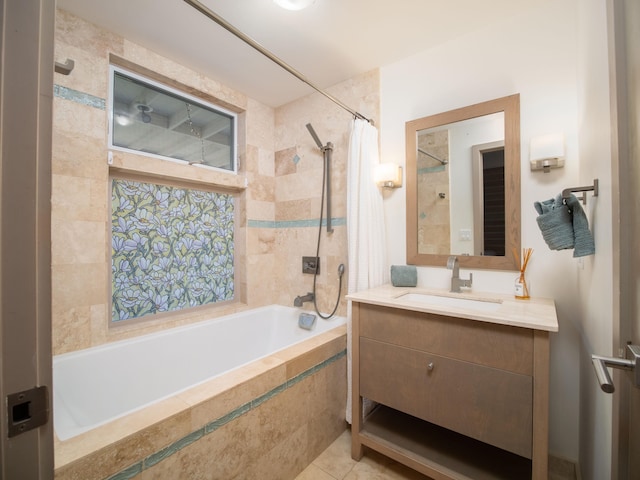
(365, 223)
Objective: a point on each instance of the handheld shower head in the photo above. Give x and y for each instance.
(315, 137)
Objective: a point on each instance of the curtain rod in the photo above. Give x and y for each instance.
(248, 40)
(443, 162)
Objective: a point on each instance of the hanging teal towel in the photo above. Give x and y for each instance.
(565, 225)
(404, 275)
(555, 223)
(583, 239)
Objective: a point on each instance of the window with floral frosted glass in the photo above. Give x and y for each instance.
(172, 248)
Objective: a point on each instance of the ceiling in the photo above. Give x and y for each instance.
(329, 42)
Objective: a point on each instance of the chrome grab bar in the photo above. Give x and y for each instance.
(600, 365)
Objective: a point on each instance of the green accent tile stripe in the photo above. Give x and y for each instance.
(261, 224)
(437, 168)
(187, 440)
(307, 373)
(216, 424)
(79, 97)
(256, 402)
(128, 473)
(313, 222)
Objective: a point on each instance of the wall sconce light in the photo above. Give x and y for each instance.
(388, 175)
(547, 152)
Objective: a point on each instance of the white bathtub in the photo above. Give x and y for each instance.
(94, 386)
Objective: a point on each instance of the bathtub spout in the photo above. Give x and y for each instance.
(304, 298)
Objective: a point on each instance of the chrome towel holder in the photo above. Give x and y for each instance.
(568, 191)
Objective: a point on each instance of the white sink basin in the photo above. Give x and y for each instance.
(459, 302)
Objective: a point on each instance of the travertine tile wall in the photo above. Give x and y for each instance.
(80, 198)
(298, 182)
(434, 225)
(280, 206)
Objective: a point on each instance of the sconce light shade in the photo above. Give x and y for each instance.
(294, 4)
(388, 175)
(547, 152)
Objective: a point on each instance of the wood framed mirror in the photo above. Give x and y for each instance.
(463, 186)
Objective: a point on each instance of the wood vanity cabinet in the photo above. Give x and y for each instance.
(455, 398)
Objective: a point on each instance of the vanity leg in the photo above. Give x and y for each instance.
(540, 405)
(357, 450)
(356, 402)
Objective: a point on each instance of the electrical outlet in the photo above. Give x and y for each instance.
(464, 235)
(311, 265)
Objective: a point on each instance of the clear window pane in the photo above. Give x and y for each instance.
(149, 118)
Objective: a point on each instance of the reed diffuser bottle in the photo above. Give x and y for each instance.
(521, 287)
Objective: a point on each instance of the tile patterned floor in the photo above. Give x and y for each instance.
(335, 463)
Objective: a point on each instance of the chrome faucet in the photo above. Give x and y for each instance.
(456, 281)
(309, 297)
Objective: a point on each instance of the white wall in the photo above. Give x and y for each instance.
(463, 136)
(536, 56)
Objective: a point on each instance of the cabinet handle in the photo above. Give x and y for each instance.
(430, 366)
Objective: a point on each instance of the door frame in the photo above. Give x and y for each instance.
(477, 163)
(625, 171)
(26, 103)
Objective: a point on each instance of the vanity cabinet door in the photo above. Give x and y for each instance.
(500, 346)
(485, 403)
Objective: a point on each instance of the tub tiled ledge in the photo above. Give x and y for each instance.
(125, 447)
(535, 313)
(122, 332)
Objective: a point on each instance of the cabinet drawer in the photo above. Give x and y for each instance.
(500, 346)
(488, 404)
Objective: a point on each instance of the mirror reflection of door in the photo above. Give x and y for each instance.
(489, 199)
(455, 163)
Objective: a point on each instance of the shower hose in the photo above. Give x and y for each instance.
(341, 266)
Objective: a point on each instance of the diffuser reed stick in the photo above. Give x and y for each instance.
(521, 287)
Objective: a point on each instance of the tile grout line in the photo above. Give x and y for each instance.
(328, 473)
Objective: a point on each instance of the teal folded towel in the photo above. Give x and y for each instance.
(564, 225)
(583, 239)
(555, 223)
(404, 275)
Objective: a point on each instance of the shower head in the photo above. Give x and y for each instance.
(315, 137)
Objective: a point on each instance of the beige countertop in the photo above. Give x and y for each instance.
(535, 313)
